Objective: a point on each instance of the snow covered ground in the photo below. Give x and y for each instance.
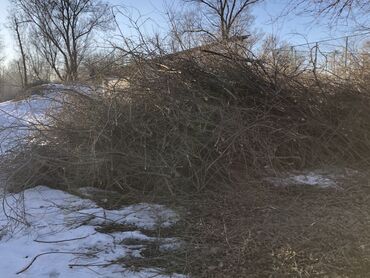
(18, 118)
(50, 233)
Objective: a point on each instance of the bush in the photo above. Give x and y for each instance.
(188, 122)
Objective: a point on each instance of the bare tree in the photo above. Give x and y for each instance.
(357, 11)
(1, 50)
(63, 30)
(227, 17)
(338, 7)
(1, 68)
(39, 70)
(15, 25)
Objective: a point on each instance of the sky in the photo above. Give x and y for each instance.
(291, 28)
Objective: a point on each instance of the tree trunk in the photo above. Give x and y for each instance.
(23, 54)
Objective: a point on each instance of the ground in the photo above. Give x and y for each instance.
(308, 223)
(50, 233)
(262, 230)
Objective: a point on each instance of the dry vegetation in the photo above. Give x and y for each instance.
(188, 122)
(203, 130)
(261, 231)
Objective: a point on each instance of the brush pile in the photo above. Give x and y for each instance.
(197, 120)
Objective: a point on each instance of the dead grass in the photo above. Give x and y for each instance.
(258, 230)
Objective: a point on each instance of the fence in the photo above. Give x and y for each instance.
(343, 56)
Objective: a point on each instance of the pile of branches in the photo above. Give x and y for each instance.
(195, 120)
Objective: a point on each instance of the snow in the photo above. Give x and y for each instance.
(313, 178)
(60, 229)
(16, 117)
(19, 118)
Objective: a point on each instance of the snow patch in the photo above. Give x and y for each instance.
(50, 233)
(313, 179)
(308, 178)
(19, 118)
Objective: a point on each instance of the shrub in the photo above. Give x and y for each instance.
(186, 122)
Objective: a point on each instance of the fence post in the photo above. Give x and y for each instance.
(293, 55)
(346, 59)
(315, 60)
(334, 66)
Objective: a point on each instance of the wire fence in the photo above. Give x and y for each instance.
(343, 56)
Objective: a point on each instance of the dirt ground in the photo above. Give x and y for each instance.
(260, 230)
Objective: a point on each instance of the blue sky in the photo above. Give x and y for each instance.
(287, 27)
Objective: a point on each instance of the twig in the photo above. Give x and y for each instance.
(47, 253)
(89, 265)
(64, 240)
